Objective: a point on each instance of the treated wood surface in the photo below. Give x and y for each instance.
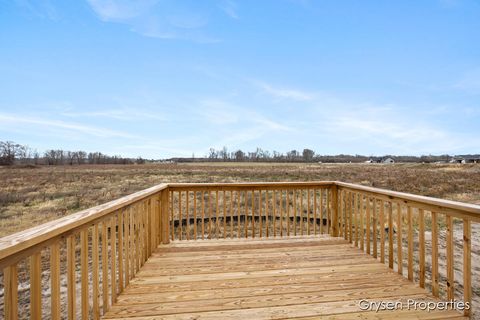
(303, 277)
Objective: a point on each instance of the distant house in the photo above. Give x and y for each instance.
(465, 159)
(388, 161)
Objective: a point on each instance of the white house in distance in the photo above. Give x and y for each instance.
(387, 160)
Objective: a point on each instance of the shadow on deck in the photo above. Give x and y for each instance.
(296, 277)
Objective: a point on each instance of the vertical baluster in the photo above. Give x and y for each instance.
(450, 273)
(321, 210)
(345, 215)
(435, 275)
(467, 265)
(274, 212)
(361, 210)
(288, 212)
(302, 222)
(209, 214)
(295, 212)
(84, 272)
(180, 216)
(217, 222)
(253, 213)
(260, 221)
(35, 286)
(355, 219)
(382, 231)
(105, 266)
(231, 214)
(328, 210)
(95, 266)
(224, 200)
(113, 251)
(374, 227)
(350, 216)
(10, 278)
(410, 243)
(308, 211)
(172, 221)
(55, 280)
(120, 250)
(399, 239)
(267, 224)
(315, 211)
(390, 235)
(281, 212)
(367, 204)
(187, 209)
(133, 240)
(203, 214)
(128, 227)
(71, 282)
(238, 214)
(245, 205)
(194, 215)
(138, 238)
(421, 249)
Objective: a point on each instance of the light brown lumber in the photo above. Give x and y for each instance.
(10, 278)
(467, 264)
(281, 309)
(435, 274)
(84, 273)
(55, 281)
(450, 270)
(71, 282)
(35, 286)
(410, 243)
(152, 294)
(421, 251)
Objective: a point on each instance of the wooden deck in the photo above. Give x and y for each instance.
(295, 277)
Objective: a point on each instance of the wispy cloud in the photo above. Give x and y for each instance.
(156, 19)
(283, 92)
(470, 82)
(230, 8)
(43, 9)
(49, 124)
(117, 114)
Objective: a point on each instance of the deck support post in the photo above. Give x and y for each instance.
(335, 210)
(164, 217)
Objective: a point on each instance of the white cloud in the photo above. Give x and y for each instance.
(42, 9)
(48, 124)
(117, 114)
(155, 19)
(230, 8)
(284, 93)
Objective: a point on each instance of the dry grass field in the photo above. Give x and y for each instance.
(33, 195)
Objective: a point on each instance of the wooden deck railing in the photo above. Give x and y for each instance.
(371, 218)
(75, 267)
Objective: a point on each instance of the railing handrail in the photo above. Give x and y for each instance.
(24, 240)
(453, 208)
(252, 184)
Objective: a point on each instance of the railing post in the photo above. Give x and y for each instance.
(164, 217)
(335, 202)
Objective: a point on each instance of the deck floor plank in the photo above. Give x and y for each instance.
(302, 277)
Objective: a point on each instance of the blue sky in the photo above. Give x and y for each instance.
(162, 78)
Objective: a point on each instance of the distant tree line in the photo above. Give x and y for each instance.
(305, 155)
(13, 153)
